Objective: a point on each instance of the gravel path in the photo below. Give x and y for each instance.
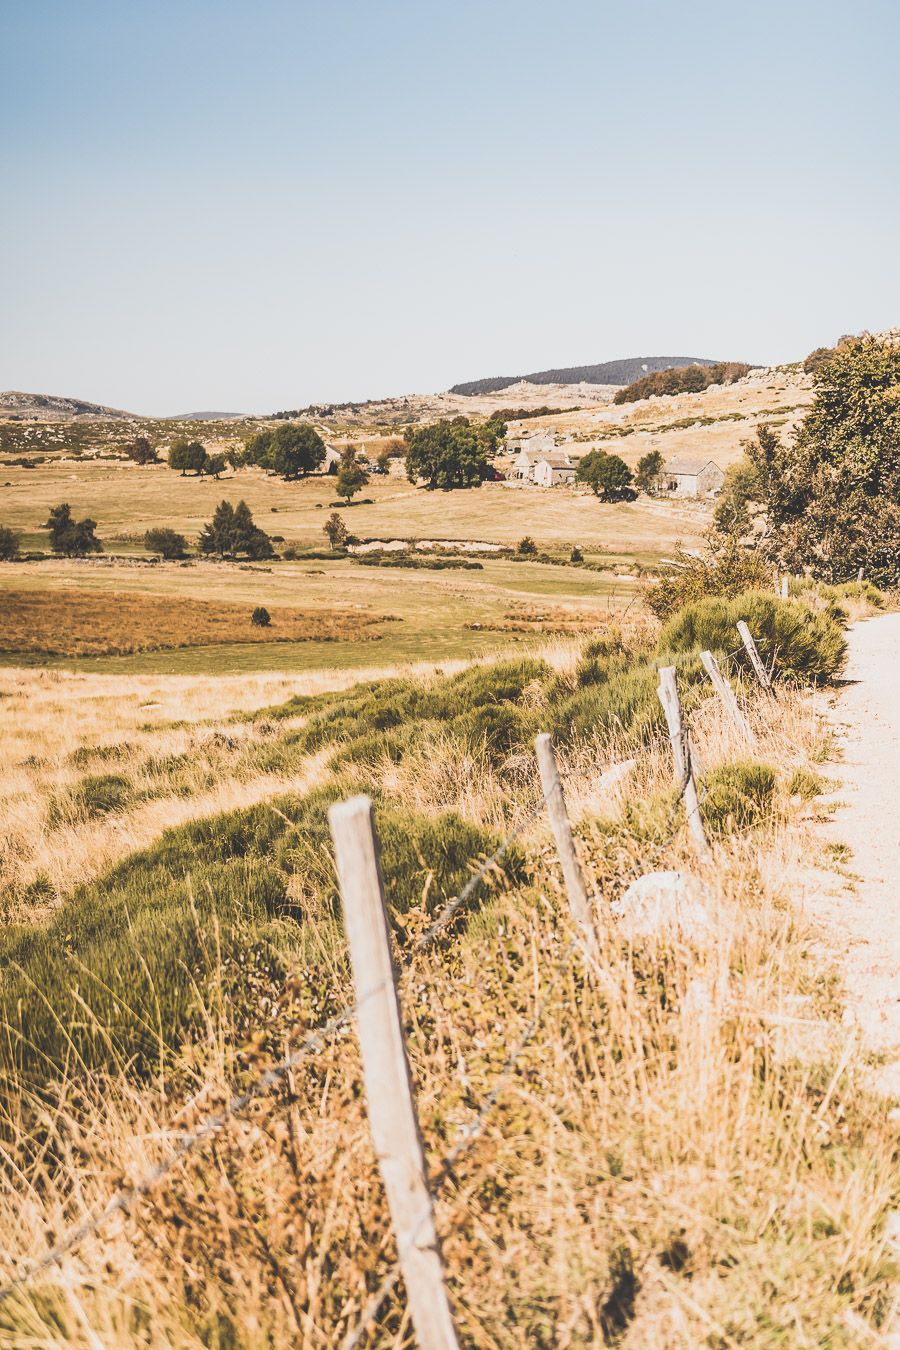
(866, 914)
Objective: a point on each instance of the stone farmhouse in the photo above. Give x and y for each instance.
(544, 468)
(688, 476)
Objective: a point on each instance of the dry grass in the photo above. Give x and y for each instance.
(88, 623)
(686, 1154)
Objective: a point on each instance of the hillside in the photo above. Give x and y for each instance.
(623, 371)
(52, 406)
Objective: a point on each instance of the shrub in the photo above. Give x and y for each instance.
(260, 618)
(724, 568)
(166, 542)
(9, 544)
(94, 796)
(576, 556)
(793, 639)
(806, 784)
(737, 796)
(526, 547)
(623, 700)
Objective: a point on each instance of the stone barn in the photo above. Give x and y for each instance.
(690, 476)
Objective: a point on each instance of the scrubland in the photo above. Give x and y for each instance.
(685, 1153)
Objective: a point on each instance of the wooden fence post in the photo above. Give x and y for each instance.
(579, 903)
(755, 659)
(668, 697)
(389, 1093)
(785, 587)
(727, 695)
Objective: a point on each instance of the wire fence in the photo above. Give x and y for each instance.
(315, 1041)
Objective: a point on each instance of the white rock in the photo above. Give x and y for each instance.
(663, 904)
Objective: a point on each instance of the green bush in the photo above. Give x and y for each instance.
(726, 569)
(737, 796)
(624, 700)
(806, 784)
(793, 639)
(93, 796)
(260, 618)
(119, 975)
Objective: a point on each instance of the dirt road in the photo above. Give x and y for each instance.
(865, 919)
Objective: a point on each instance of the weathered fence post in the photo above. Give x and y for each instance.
(576, 890)
(755, 659)
(785, 587)
(727, 695)
(860, 573)
(668, 697)
(389, 1093)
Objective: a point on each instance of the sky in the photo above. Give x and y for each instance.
(249, 205)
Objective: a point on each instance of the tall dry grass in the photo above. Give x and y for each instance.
(685, 1155)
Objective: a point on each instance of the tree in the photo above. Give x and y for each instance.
(576, 556)
(447, 454)
(649, 471)
(607, 475)
(293, 450)
(830, 498)
(141, 451)
(9, 544)
(492, 433)
(232, 531)
(187, 456)
(72, 538)
(336, 531)
(165, 542)
(215, 465)
(526, 547)
(352, 477)
(260, 618)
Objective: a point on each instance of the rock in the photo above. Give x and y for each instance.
(663, 904)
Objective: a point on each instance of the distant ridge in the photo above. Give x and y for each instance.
(204, 417)
(14, 401)
(623, 371)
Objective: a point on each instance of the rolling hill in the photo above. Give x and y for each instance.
(623, 371)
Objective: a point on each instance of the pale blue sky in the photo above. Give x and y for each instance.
(213, 204)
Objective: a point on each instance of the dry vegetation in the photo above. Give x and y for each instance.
(686, 1153)
(88, 623)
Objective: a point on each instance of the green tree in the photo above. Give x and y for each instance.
(649, 471)
(336, 531)
(831, 496)
(526, 547)
(232, 531)
(72, 538)
(447, 454)
(492, 433)
(607, 475)
(9, 544)
(187, 456)
(165, 542)
(214, 465)
(292, 450)
(260, 618)
(141, 451)
(352, 477)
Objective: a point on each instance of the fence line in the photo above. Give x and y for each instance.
(385, 985)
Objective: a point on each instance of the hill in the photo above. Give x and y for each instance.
(623, 371)
(52, 406)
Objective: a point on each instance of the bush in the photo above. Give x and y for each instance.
(622, 699)
(526, 547)
(806, 784)
(166, 542)
(260, 618)
(118, 975)
(793, 640)
(576, 556)
(92, 797)
(723, 569)
(737, 796)
(9, 544)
